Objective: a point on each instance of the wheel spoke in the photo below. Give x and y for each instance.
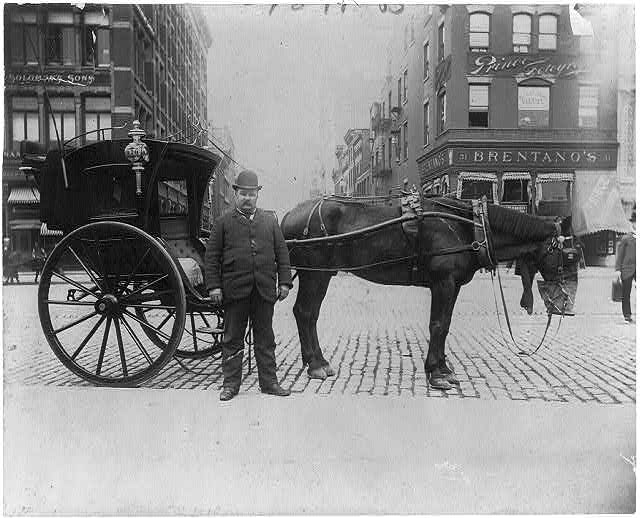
(150, 307)
(123, 361)
(70, 302)
(88, 337)
(171, 313)
(204, 319)
(73, 283)
(103, 273)
(147, 325)
(75, 322)
(105, 337)
(146, 286)
(136, 340)
(134, 271)
(86, 268)
(193, 329)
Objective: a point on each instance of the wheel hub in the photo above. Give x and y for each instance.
(107, 305)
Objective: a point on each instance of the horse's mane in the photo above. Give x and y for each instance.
(507, 221)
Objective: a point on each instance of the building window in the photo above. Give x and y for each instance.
(533, 106)
(405, 77)
(96, 46)
(476, 189)
(478, 106)
(390, 148)
(97, 116)
(425, 60)
(548, 32)
(515, 190)
(60, 43)
(521, 33)
(588, 107)
(23, 40)
(399, 92)
(479, 32)
(444, 182)
(26, 123)
(405, 153)
(390, 105)
(425, 111)
(440, 42)
(65, 119)
(442, 111)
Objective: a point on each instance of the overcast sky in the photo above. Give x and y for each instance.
(290, 84)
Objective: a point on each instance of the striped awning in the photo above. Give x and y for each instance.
(554, 177)
(516, 175)
(483, 177)
(24, 195)
(44, 231)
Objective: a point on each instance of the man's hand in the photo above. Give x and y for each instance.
(216, 296)
(283, 291)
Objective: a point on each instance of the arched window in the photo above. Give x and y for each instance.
(444, 183)
(479, 25)
(548, 32)
(521, 33)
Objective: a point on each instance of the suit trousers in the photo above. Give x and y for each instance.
(626, 296)
(236, 314)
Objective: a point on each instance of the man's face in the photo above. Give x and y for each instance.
(246, 199)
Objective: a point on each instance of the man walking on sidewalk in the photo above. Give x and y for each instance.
(626, 266)
(247, 269)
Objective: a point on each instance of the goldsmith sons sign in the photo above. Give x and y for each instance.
(527, 66)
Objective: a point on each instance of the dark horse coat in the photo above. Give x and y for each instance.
(391, 255)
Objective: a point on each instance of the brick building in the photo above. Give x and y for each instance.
(518, 108)
(353, 175)
(102, 66)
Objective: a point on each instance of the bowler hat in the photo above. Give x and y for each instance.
(247, 179)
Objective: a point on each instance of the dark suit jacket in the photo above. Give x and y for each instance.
(241, 253)
(626, 256)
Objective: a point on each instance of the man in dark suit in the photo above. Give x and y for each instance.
(247, 269)
(626, 266)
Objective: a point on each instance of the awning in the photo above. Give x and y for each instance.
(44, 231)
(20, 195)
(554, 177)
(597, 205)
(517, 175)
(487, 177)
(24, 224)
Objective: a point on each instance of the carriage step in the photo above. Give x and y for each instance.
(210, 330)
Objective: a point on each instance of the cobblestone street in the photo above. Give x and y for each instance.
(376, 338)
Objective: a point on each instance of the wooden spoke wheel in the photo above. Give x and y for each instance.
(203, 330)
(92, 289)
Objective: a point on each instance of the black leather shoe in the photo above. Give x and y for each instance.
(276, 390)
(228, 393)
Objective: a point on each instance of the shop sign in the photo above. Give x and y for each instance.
(555, 66)
(55, 78)
(537, 158)
(533, 106)
(437, 161)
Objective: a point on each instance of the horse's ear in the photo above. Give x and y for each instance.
(565, 226)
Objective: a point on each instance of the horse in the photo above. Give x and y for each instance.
(439, 247)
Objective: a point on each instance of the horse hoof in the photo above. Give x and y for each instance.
(439, 382)
(329, 371)
(317, 374)
(451, 378)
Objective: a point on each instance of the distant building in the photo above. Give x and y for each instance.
(220, 188)
(102, 66)
(353, 176)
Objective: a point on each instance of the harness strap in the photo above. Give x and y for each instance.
(318, 206)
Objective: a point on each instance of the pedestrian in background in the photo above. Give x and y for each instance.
(247, 269)
(626, 266)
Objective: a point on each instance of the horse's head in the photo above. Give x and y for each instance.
(556, 258)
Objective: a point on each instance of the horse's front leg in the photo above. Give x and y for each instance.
(443, 296)
(312, 289)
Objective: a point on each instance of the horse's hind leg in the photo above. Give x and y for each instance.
(312, 289)
(443, 296)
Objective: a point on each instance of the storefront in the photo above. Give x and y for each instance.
(549, 181)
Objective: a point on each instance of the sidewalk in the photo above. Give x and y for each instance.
(139, 451)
